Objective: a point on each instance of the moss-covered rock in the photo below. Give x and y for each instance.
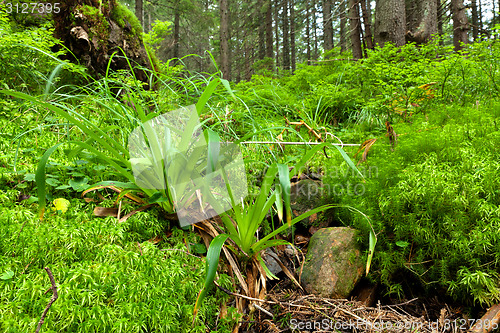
(333, 264)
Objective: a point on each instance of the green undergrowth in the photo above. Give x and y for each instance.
(434, 201)
(110, 278)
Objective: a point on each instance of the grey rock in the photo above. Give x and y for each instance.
(333, 263)
(305, 195)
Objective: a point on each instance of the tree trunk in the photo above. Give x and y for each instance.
(421, 20)
(327, 25)
(276, 33)
(286, 39)
(92, 39)
(269, 29)
(343, 24)
(354, 23)
(261, 26)
(292, 33)
(480, 16)
(367, 19)
(460, 24)
(224, 38)
(177, 29)
(315, 29)
(475, 21)
(139, 11)
(390, 22)
(440, 13)
(308, 32)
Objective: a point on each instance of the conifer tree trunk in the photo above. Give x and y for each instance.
(475, 20)
(315, 29)
(460, 24)
(224, 38)
(390, 22)
(286, 39)
(327, 25)
(421, 20)
(139, 11)
(440, 13)
(480, 16)
(269, 29)
(308, 32)
(343, 24)
(367, 22)
(355, 26)
(292, 33)
(177, 29)
(276, 33)
(261, 23)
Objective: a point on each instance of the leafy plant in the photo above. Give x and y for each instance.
(242, 226)
(113, 152)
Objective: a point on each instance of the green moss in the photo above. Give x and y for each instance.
(155, 63)
(99, 26)
(122, 15)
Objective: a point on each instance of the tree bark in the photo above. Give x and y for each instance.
(327, 25)
(139, 11)
(343, 24)
(224, 38)
(367, 19)
(460, 24)
(92, 39)
(261, 26)
(315, 30)
(440, 13)
(475, 21)
(276, 33)
(292, 33)
(354, 23)
(480, 16)
(286, 39)
(421, 20)
(390, 22)
(308, 31)
(269, 29)
(177, 28)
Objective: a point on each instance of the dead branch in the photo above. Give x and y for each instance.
(52, 300)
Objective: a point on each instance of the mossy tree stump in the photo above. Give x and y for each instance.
(93, 30)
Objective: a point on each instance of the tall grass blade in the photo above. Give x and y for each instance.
(212, 262)
(285, 186)
(40, 179)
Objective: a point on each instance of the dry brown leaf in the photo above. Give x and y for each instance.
(105, 211)
(155, 240)
(365, 147)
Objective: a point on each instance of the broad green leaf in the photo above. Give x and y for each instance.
(79, 185)
(52, 181)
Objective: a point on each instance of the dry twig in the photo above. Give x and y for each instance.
(52, 300)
